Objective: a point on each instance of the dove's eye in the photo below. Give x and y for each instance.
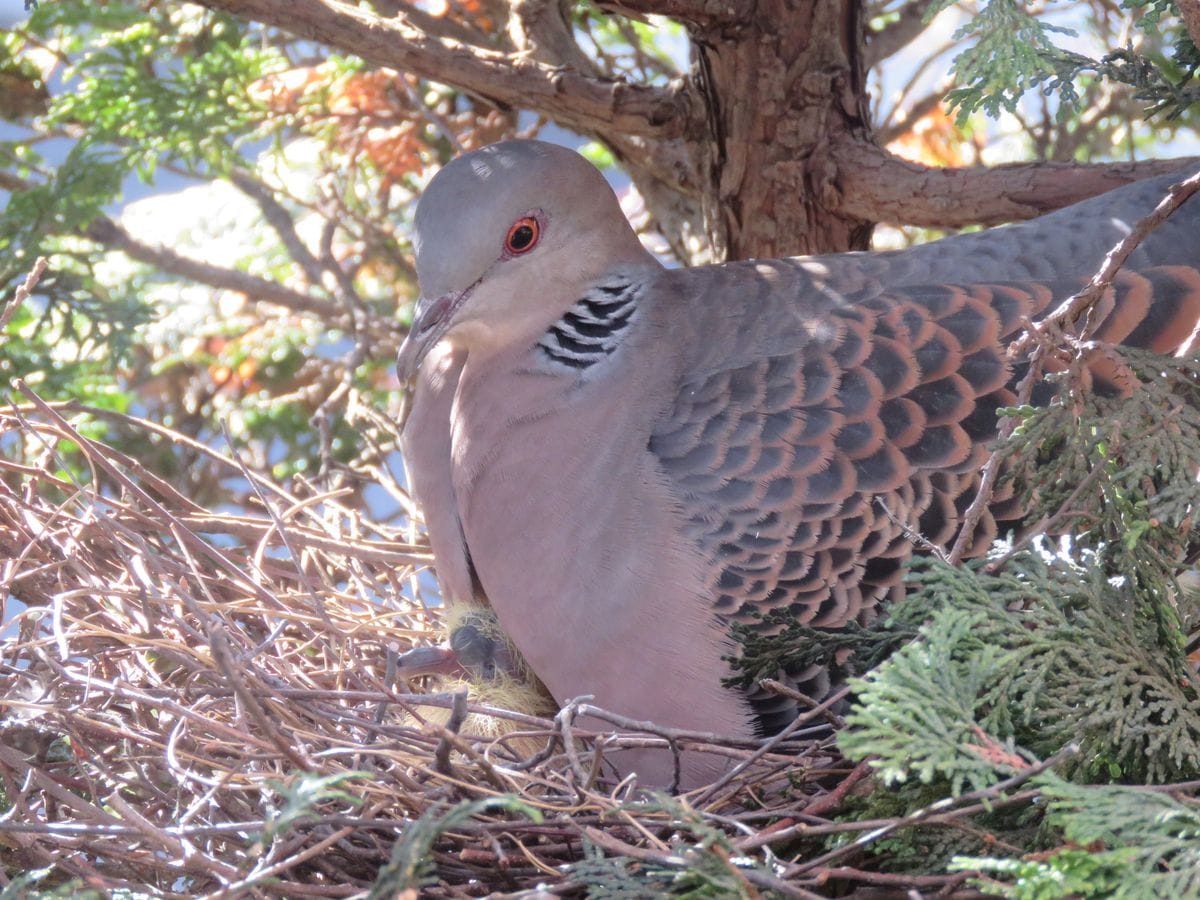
(522, 236)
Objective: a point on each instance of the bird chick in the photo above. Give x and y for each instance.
(479, 658)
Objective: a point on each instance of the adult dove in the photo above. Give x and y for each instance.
(622, 459)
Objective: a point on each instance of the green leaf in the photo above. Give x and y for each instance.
(411, 866)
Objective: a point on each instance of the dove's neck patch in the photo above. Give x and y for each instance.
(591, 329)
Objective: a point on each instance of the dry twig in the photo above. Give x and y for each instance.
(175, 680)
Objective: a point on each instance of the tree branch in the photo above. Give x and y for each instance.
(880, 187)
(703, 14)
(571, 98)
(108, 233)
(899, 34)
(281, 221)
(917, 111)
(104, 230)
(541, 29)
(463, 32)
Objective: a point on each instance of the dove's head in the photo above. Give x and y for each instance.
(508, 238)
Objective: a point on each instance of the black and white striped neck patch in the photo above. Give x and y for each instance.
(591, 329)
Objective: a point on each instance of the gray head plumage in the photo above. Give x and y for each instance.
(465, 215)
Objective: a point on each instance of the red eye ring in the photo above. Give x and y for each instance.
(522, 236)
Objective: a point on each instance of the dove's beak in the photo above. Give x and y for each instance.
(428, 326)
(432, 319)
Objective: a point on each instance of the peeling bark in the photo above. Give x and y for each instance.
(781, 88)
(507, 80)
(874, 184)
(763, 150)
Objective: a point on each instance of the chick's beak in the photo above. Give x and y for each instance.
(428, 661)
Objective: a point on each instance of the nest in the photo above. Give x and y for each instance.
(199, 703)
(204, 704)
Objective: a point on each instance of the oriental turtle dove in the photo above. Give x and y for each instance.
(622, 459)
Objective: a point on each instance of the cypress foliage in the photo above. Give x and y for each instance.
(1071, 635)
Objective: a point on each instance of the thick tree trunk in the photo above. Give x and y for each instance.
(783, 88)
(766, 148)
